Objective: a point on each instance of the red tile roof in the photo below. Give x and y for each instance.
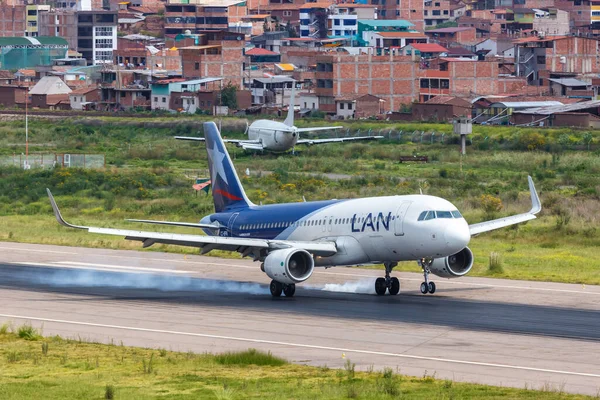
(257, 51)
(428, 47)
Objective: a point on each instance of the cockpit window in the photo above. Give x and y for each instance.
(456, 214)
(444, 214)
(427, 215)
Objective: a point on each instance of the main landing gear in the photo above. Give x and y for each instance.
(427, 286)
(391, 284)
(277, 288)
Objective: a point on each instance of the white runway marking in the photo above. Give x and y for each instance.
(306, 346)
(37, 251)
(101, 267)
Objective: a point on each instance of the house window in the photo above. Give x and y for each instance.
(287, 13)
(104, 31)
(341, 106)
(196, 66)
(349, 106)
(164, 99)
(336, 21)
(122, 94)
(156, 99)
(208, 103)
(202, 104)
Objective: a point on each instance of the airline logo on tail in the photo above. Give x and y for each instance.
(227, 189)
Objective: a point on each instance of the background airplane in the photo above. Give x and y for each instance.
(275, 136)
(292, 239)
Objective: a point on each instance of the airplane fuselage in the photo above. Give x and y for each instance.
(367, 230)
(272, 139)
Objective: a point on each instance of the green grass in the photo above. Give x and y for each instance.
(249, 357)
(78, 369)
(148, 177)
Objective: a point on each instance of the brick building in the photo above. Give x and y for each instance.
(453, 36)
(391, 78)
(566, 54)
(216, 54)
(436, 12)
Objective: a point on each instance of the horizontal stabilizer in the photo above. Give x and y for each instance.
(197, 139)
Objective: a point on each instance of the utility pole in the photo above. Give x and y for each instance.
(26, 165)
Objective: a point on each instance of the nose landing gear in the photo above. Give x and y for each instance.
(391, 284)
(427, 286)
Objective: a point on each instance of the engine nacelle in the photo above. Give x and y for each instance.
(289, 265)
(453, 266)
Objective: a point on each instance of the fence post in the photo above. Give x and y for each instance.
(443, 134)
(432, 137)
(369, 133)
(422, 133)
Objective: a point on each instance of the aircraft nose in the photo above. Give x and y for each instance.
(457, 236)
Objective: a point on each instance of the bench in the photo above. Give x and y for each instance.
(413, 159)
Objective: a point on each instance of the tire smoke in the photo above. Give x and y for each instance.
(126, 280)
(364, 286)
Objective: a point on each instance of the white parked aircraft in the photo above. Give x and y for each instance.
(278, 137)
(292, 239)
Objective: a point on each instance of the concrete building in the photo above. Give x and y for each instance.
(182, 95)
(391, 40)
(84, 97)
(323, 20)
(50, 93)
(408, 10)
(436, 12)
(91, 33)
(453, 36)
(198, 15)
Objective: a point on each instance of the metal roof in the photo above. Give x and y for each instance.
(382, 23)
(570, 82)
(525, 104)
(562, 108)
(28, 41)
(275, 79)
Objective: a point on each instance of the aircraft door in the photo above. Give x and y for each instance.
(230, 224)
(324, 224)
(399, 218)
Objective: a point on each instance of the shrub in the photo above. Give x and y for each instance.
(249, 357)
(495, 264)
(109, 392)
(490, 204)
(28, 332)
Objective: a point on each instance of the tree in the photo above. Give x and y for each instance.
(229, 96)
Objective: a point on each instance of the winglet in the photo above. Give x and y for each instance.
(536, 205)
(58, 215)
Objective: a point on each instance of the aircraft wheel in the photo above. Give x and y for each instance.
(431, 287)
(276, 288)
(289, 290)
(380, 287)
(424, 288)
(394, 286)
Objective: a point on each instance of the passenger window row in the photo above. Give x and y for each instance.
(312, 222)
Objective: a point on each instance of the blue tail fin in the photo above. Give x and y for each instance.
(226, 187)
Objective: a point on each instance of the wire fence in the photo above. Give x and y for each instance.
(51, 160)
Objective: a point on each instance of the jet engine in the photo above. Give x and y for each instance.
(453, 266)
(289, 265)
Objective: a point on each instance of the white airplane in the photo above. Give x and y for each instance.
(279, 137)
(292, 239)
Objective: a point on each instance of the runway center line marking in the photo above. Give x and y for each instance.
(306, 346)
(100, 267)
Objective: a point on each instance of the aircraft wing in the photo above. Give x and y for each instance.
(186, 224)
(238, 142)
(320, 128)
(536, 207)
(334, 140)
(206, 243)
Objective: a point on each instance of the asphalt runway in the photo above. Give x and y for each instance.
(492, 331)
